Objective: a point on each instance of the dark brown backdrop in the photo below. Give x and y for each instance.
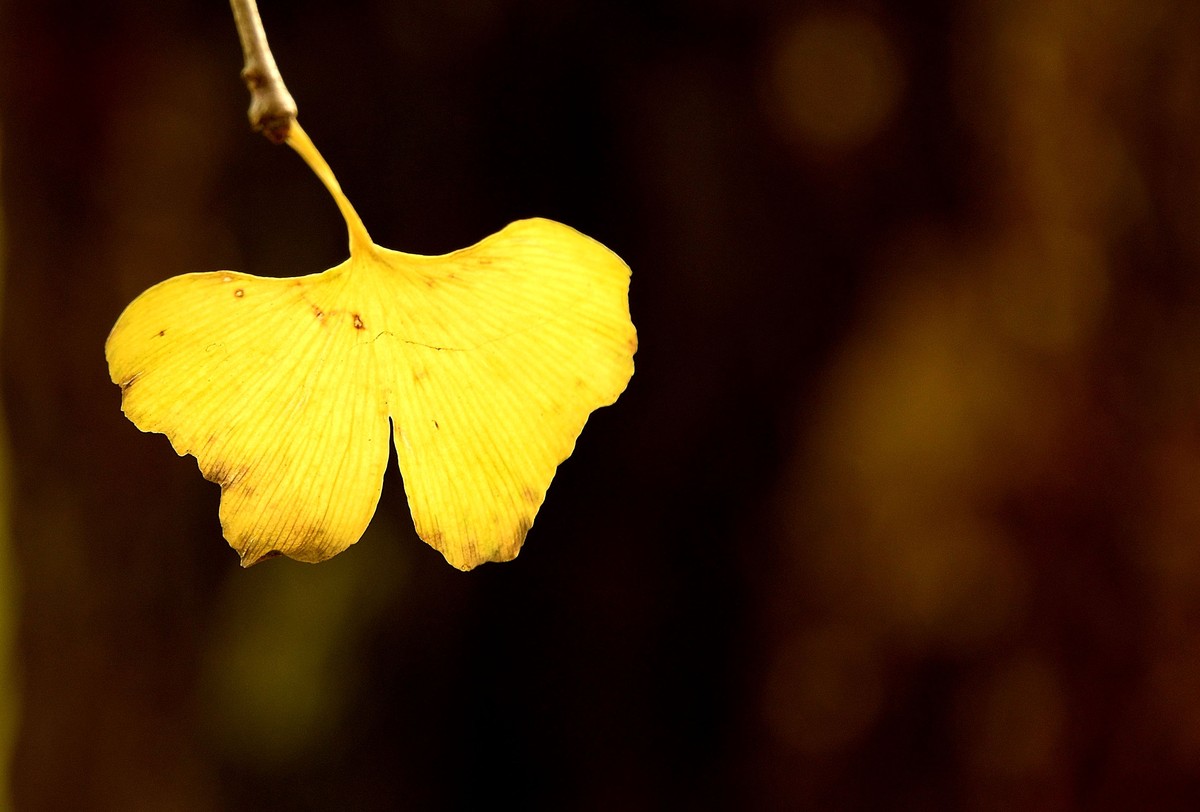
(901, 509)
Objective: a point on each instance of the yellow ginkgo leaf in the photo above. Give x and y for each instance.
(486, 361)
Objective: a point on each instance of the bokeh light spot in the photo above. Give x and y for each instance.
(833, 80)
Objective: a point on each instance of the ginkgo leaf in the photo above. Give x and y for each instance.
(486, 361)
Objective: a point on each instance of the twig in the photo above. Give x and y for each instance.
(272, 108)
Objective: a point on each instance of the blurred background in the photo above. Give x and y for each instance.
(901, 509)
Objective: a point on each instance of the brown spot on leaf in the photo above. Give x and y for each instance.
(522, 530)
(313, 536)
(358, 322)
(239, 293)
(249, 560)
(318, 312)
(128, 383)
(225, 474)
(162, 333)
(470, 549)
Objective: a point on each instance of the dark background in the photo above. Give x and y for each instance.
(901, 508)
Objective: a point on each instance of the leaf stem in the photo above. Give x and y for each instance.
(272, 108)
(273, 112)
(360, 240)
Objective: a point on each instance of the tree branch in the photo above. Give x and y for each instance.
(272, 109)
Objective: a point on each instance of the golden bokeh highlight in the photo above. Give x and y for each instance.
(946, 420)
(285, 656)
(832, 80)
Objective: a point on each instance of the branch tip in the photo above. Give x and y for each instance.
(272, 108)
